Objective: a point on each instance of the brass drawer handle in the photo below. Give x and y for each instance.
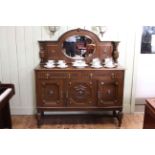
(91, 75)
(69, 76)
(47, 75)
(113, 75)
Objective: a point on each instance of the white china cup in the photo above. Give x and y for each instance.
(50, 62)
(61, 62)
(79, 63)
(108, 61)
(95, 60)
(49, 65)
(96, 63)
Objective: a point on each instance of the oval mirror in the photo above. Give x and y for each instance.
(78, 46)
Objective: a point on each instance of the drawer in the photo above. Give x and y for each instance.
(50, 75)
(108, 75)
(80, 75)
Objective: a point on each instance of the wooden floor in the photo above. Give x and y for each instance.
(130, 121)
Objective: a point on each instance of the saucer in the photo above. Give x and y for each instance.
(46, 66)
(80, 65)
(62, 66)
(96, 66)
(110, 66)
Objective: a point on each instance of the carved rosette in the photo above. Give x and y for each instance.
(81, 92)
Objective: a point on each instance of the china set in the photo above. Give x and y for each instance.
(59, 64)
(96, 63)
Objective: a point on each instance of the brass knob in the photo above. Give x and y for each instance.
(102, 101)
(102, 83)
(116, 83)
(51, 92)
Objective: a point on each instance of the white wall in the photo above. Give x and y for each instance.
(143, 83)
(19, 55)
(145, 75)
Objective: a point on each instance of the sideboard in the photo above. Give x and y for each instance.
(78, 89)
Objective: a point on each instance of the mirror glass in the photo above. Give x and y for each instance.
(78, 47)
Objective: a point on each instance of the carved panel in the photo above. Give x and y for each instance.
(105, 51)
(51, 93)
(81, 93)
(108, 93)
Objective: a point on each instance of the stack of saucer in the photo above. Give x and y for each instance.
(96, 63)
(61, 64)
(50, 64)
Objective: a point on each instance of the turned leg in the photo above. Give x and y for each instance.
(39, 118)
(120, 116)
(114, 113)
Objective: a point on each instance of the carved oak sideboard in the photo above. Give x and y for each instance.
(78, 89)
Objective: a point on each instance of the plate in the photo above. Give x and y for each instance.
(49, 66)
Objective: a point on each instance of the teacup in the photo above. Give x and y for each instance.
(79, 62)
(108, 61)
(97, 63)
(96, 60)
(49, 65)
(50, 62)
(61, 62)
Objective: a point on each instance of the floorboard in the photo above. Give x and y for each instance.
(130, 121)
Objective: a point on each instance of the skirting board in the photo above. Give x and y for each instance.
(139, 107)
(23, 111)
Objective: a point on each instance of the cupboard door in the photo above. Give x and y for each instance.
(109, 94)
(51, 93)
(80, 93)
